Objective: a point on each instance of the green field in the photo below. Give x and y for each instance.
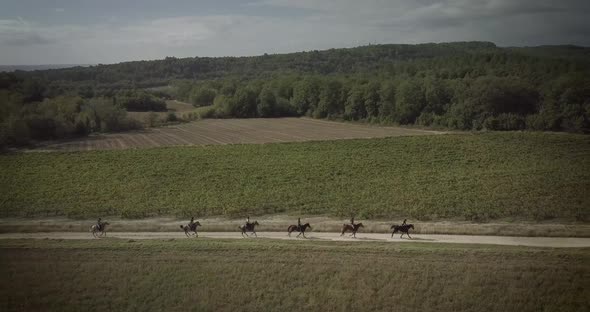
(263, 275)
(530, 176)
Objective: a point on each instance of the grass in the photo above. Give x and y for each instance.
(262, 275)
(532, 176)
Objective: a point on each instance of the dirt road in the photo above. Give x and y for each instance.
(361, 237)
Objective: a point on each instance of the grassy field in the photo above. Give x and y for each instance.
(262, 275)
(534, 176)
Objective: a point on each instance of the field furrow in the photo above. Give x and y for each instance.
(232, 131)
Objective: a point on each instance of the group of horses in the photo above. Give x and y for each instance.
(251, 228)
(191, 229)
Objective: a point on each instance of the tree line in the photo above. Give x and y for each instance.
(30, 111)
(465, 85)
(485, 102)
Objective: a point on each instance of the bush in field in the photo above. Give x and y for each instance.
(14, 131)
(152, 120)
(425, 119)
(504, 122)
(140, 101)
(202, 96)
(171, 117)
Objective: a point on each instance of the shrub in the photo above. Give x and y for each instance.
(152, 120)
(171, 117)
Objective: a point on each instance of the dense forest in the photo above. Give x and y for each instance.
(464, 85)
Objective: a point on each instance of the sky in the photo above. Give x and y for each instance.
(112, 31)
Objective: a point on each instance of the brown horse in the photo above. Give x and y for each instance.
(404, 229)
(98, 232)
(351, 228)
(192, 228)
(301, 229)
(249, 227)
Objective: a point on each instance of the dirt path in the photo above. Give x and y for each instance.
(361, 237)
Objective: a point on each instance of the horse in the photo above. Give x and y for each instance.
(102, 230)
(301, 229)
(249, 227)
(404, 229)
(192, 228)
(351, 228)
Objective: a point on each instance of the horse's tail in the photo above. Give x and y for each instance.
(182, 227)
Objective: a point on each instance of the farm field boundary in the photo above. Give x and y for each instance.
(231, 131)
(554, 242)
(313, 275)
(480, 178)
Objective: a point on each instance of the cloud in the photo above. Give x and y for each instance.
(21, 33)
(59, 10)
(323, 24)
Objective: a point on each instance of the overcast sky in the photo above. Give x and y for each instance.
(110, 31)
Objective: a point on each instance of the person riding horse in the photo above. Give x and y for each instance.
(352, 221)
(404, 228)
(249, 227)
(301, 228)
(99, 224)
(192, 224)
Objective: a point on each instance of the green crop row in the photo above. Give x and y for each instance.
(465, 176)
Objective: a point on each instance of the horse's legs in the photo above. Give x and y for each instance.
(409, 235)
(254, 233)
(196, 234)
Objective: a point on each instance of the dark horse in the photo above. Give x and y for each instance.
(351, 228)
(301, 229)
(404, 229)
(249, 227)
(193, 228)
(99, 231)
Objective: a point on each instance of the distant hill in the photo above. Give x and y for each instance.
(10, 68)
(363, 59)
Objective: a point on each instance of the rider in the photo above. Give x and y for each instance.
(99, 224)
(191, 224)
(299, 224)
(248, 221)
(352, 221)
(404, 223)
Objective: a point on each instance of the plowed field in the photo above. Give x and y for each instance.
(233, 131)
